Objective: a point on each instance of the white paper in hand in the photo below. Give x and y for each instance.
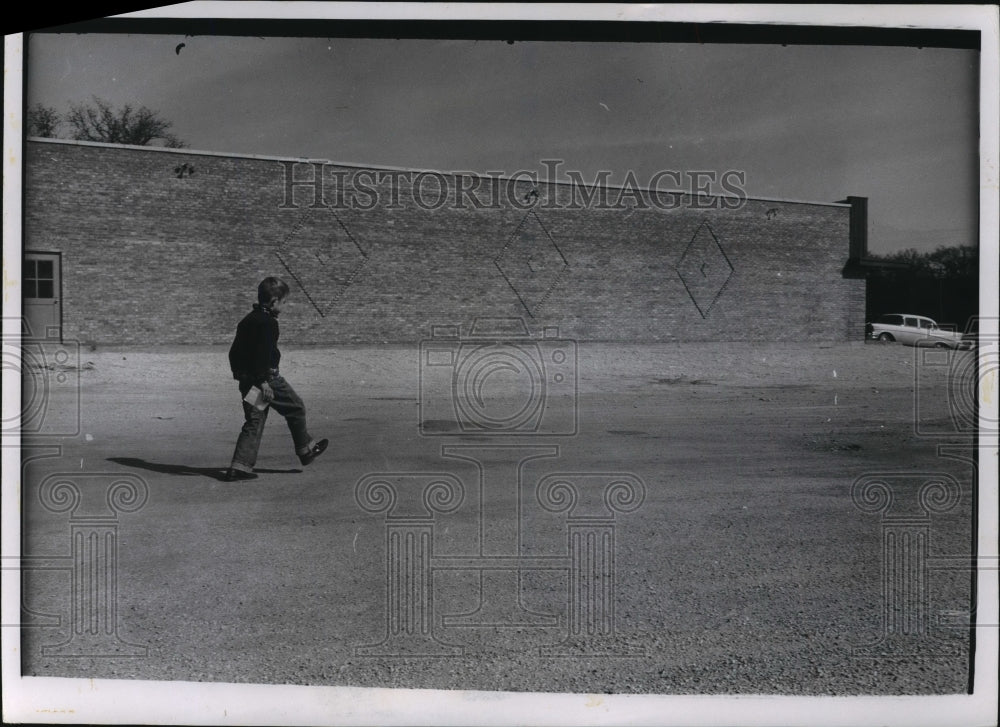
(255, 398)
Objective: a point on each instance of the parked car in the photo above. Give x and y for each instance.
(970, 339)
(913, 331)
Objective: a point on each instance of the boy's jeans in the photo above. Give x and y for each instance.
(287, 403)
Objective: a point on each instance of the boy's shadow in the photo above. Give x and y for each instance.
(216, 473)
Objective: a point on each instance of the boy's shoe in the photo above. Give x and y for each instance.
(315, 452)
(233, 475)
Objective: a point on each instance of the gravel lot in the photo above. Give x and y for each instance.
(747, 568)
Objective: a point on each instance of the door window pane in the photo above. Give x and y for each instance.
(39, 278)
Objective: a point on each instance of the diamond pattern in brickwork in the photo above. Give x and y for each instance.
(531, 263)
(704, 269)
(322, 257)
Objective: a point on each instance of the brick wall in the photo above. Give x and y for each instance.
(153, 253)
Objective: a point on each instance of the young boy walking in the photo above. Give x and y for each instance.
(254, 358)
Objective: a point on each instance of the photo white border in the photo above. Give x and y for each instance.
(55, 700)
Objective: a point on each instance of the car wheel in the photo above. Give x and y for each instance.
(886, 337)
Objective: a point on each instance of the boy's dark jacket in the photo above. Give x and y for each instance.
(254, 353)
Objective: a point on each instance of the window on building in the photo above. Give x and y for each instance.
(39, 279)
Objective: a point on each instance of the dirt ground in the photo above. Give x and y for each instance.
(746, 567)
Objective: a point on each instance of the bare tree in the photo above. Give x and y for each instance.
(951, 261)
(99, 121)
(42, 120)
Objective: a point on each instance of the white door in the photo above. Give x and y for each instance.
(910, 332)
(42, 286)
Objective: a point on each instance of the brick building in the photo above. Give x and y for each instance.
(142, 245)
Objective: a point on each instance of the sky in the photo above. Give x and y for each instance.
(898, 125)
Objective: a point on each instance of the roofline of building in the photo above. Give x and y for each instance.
(381, 167)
